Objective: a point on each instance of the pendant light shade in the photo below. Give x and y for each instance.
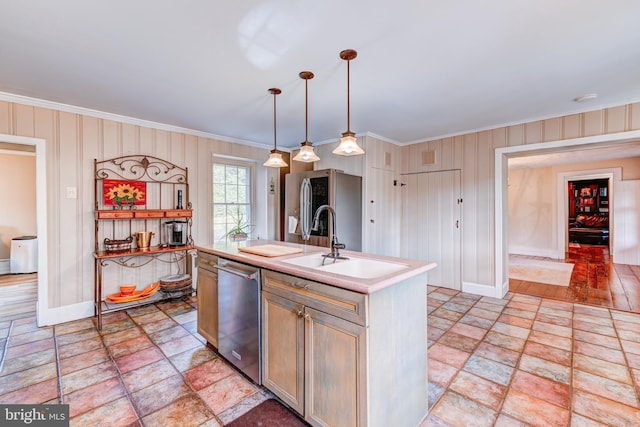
(348, 143)
(275, 159)
(306, 154)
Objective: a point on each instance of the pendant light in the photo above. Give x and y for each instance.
(306, 154)
(348, 143)
(275, 159)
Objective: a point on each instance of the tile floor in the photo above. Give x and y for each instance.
(148, 366)
(517, 361)
(530, 361)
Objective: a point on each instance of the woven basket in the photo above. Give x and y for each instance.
(117, 245)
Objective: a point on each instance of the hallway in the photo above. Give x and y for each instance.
(595, 280)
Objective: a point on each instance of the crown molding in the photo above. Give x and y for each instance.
(43, 103)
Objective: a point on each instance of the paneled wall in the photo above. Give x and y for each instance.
(473, 153)
(73, 141)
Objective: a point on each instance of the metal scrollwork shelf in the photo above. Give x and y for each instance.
(161, 186)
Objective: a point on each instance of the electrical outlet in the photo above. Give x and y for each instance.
(72, 193)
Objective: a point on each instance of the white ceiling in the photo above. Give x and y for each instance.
(425, 68)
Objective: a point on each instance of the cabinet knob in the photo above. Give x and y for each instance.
(306, 316)
(300, 313)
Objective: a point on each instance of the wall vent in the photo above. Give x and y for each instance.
(387, 158)
(428, 157)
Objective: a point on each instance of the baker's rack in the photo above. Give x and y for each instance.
(163, 180)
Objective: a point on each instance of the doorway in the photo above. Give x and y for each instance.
(42, 306)
(588, 218)
(584, 145)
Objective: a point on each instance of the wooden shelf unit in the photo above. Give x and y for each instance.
(162, 181)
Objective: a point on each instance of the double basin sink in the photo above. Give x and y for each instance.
(360, 268)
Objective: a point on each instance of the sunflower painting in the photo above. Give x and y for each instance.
(121, 193)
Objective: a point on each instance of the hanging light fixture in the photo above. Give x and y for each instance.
(348, 143)
(306, 154)
(275, 159)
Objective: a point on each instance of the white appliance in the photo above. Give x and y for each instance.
(24, 255)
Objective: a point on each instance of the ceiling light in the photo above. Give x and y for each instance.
(306, 153)
(585, 98)
(275, 159)
(348, 143)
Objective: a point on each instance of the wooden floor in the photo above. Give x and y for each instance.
(595, 281)
(18, 295)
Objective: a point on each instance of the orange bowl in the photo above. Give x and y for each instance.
(126, 290)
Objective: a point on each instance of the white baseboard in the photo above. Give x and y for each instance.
(478, 289)
(547, 253)
(67, 313)
(5, 266)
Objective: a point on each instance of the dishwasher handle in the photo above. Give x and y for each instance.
(237, 272)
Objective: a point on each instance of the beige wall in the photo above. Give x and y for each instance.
(533, 210)
(17, 198)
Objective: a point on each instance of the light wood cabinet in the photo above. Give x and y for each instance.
(208, 297)
(313, 360)
(342, 358)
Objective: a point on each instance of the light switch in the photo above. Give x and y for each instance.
(72, 193)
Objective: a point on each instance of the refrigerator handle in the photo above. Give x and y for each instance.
(305, 208)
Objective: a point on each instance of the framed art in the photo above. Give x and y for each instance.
(124, 193)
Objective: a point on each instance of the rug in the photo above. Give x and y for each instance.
(533, 270)
(269, 413)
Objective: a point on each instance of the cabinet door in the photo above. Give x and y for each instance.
(282, 349)
(208, 305)
(335, 353)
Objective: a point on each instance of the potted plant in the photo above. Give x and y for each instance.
(240, 229)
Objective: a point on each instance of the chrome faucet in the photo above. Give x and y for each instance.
(335, 245)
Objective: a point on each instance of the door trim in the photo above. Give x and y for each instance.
(502, 155)
(42, 306)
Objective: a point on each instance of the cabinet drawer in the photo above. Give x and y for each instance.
(178, 213)
(149, 214)
(207, 261)
(114, 214)
(343, 303)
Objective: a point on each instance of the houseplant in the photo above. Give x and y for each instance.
(240, 228)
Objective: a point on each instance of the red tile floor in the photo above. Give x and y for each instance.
(530, 361)
(148, 366)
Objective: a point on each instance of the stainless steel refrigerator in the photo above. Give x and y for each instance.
(331, 187)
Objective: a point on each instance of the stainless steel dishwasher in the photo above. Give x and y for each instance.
(239, 316)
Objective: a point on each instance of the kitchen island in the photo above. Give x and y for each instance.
(342, 344)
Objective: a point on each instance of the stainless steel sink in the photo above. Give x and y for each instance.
(360, 268)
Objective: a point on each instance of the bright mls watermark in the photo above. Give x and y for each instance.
(34, 415)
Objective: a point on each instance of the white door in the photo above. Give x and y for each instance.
(432, 224)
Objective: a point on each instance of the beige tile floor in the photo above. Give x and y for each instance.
(518, 361)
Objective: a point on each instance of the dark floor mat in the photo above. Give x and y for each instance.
(269, 413)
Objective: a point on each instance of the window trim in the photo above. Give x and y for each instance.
(252, 186)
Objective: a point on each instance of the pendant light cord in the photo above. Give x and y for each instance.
(275, 144)
(348, 96)
(306, 110)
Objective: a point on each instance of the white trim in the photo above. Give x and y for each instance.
(17, 152)
(557, 115)
(41, 218)
(613, 174)
(500, 184)
(478, 289)
(547, 253)
(66, 313)
(43, 103)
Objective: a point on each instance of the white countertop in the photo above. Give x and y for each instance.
(229, 250)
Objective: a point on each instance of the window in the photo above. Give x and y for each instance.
(232, 195)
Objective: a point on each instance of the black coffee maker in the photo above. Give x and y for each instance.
(175, 233)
